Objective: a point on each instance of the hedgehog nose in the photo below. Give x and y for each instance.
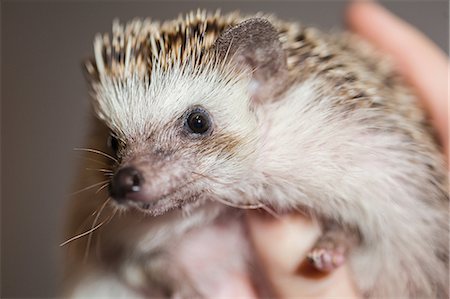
(125, 182)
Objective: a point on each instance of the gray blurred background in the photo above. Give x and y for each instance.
(45, 110)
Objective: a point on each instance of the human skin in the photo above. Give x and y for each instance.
(282, 244)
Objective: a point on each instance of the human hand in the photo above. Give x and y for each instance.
(282, 244)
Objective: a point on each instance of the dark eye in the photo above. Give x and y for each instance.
(113, 143)
(198, 122)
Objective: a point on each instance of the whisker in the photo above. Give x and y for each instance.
(82, 234)
(240, 206)
(85, 220)
(91, 150)
(88, 245)
(179, 188)
(270, 211)
(212, 179)
(97, 161)
(243, 206)
(98, 245)
(102, 187)
(101, 170)
(87, 188)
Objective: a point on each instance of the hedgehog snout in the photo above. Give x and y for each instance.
(126, 184)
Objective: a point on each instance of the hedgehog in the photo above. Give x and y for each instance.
(205, 116)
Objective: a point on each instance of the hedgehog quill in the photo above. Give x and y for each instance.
(209, 114)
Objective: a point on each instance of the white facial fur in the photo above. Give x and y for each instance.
(133, 105)
(149, 115)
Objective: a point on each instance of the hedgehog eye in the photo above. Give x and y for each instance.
(198, 122)
(113, 143)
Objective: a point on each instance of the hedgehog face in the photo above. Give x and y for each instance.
(178, 137)
(179, 102)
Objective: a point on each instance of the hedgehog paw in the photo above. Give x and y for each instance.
(326, 259)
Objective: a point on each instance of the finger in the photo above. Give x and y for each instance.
(418, 59)
(282, 245)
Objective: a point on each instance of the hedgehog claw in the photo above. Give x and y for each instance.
(325, 259)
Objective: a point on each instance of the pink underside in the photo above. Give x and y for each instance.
(214, 258)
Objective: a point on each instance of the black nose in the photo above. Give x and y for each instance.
(126, 181)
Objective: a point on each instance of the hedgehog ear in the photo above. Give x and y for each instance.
(254, 44)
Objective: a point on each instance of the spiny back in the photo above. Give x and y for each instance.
(142, 45)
